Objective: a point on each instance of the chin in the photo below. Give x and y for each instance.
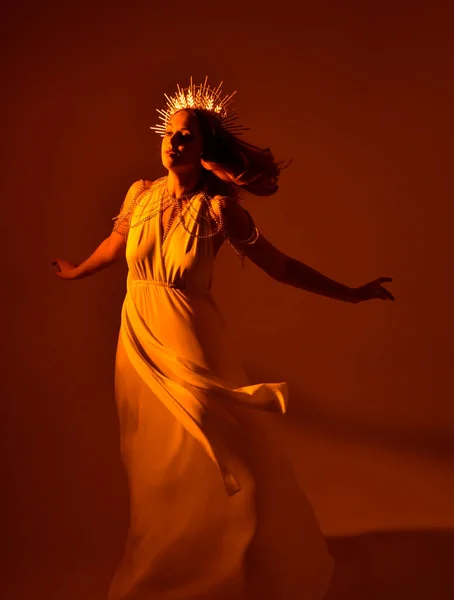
(179, 168)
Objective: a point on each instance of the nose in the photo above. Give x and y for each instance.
(175, 140)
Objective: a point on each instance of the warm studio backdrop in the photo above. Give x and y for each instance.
(361, 99)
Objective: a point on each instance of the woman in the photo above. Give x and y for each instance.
(215, 510)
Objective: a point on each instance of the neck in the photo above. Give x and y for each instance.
(179, 184)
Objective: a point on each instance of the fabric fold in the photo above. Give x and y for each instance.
(196, 397)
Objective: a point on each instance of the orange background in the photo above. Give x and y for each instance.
(361, 98)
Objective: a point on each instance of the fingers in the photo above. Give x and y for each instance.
(386, 294)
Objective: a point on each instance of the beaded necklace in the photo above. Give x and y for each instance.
(165, 199)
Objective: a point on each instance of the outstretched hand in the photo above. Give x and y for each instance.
(65, 269)
(372, 291)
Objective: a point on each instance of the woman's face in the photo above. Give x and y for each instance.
(182, 143)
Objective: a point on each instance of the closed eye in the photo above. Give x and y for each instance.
(186, 136)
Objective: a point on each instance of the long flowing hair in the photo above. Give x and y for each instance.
(234, 162)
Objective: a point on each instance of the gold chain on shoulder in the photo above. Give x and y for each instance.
(161, 204)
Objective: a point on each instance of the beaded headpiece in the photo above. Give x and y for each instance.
(203, 97)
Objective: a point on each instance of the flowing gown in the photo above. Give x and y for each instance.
(216, 512)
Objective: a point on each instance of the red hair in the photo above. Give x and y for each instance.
(237, 163)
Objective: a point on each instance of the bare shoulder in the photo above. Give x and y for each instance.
(232, 211)
(239, 225)
(225, 201)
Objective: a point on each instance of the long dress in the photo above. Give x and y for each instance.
(216, 512)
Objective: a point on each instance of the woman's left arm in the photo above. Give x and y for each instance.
(288, 270)
(304, 277)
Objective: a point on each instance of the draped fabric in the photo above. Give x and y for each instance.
(215, 510)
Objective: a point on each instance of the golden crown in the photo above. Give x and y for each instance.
(203, 97)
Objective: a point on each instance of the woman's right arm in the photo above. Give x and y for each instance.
(109, 250)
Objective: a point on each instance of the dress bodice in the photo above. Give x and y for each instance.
(181, 259)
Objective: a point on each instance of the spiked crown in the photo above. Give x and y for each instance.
(202, 97)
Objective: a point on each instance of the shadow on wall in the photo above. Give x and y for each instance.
(394, 565)
(309, 412)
